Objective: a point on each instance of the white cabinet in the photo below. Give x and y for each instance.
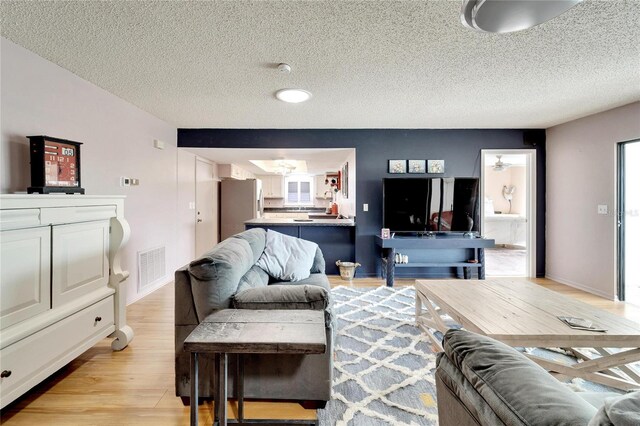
(80, 262)
(233, 171)
(62, 287)
(272, 186)
(25, 280)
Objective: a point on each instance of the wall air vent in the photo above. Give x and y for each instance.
(151, 267)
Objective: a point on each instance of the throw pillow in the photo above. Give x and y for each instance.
(287, 258)
(619, 411)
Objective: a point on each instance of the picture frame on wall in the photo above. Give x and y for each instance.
(417, 166)
(435, 166)
(397, 166)
(345, 180)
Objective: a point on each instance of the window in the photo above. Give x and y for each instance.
(298, 190)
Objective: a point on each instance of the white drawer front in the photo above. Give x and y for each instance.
(19, 218)
(80, 260)
(25, 281)
(34, 358)
(60, 215)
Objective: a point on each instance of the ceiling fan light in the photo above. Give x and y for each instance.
(505, 16)
(293, 96)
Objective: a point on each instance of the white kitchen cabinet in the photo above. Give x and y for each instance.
(272, 186)
(233, 171)
(62, 286)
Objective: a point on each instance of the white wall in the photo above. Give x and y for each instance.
(40, 98)
(494, 181)
(581, 173)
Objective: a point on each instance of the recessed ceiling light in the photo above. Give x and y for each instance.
(293, 96)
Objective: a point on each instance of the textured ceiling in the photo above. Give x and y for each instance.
(369, 64)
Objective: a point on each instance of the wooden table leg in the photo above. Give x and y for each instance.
(390, 256)
(194, 388)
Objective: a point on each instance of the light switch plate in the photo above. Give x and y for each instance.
(603, 209)
(365, 207)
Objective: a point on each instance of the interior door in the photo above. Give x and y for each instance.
(508, 211)
(206, 207)
(629, 222)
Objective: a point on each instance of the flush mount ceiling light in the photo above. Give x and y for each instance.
(505, 16)
(293, 96)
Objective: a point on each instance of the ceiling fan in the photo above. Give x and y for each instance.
(499, 165)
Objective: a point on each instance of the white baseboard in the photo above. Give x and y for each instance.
(149, 290)
(581, 287)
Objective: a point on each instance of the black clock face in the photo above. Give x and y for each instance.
(61, 164)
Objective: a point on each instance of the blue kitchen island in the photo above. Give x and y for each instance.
(336, 237)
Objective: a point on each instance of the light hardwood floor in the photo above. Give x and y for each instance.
(136, 386)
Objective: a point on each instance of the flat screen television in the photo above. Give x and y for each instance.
(431, 204)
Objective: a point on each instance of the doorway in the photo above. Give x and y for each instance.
(628, 221)
(206, 206)
(508, 211)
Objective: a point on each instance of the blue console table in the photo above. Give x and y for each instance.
(438, 251)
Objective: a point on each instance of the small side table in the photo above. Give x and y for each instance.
(243, 331)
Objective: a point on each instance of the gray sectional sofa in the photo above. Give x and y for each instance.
(480, 381)
(228, 277)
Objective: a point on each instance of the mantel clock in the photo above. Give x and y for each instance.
(55, 165)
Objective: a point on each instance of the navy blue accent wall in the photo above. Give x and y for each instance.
(374, 147)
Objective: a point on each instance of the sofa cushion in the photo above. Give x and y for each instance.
(319, 265)
(254, 278)
(215, 276)
(464, 392)
(282, 297)
(517, 390)
(287, 258)
(257, 239)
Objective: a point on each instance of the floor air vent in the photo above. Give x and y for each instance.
(151, 267)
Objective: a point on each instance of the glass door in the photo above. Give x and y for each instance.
(629, 222)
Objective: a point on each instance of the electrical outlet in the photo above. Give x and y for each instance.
(603, 209)
(365, 207)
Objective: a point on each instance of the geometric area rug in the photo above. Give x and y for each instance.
(383, 364)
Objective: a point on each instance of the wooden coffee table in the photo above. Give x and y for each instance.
(524, 314)
(245, 331)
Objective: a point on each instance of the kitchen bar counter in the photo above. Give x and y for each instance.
(336, 237)
(299, 222)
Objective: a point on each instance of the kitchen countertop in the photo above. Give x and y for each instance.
(299, 222)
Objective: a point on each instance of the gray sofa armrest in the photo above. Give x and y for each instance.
(516, 389)
(282, 297)
(285, 297)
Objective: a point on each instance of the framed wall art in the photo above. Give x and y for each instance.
(435, 166)
(397, 166)
(417, 166)
(345, 180)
